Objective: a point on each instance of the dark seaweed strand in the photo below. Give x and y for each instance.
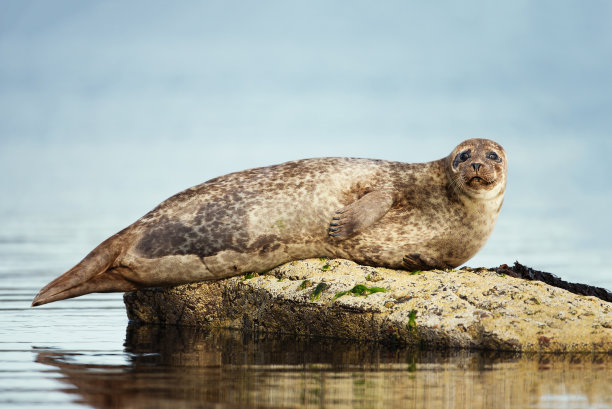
(527, 273)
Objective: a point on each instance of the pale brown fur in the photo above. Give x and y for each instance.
(392, 214)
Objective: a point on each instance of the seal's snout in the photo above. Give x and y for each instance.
(476, 166)
(477, 181)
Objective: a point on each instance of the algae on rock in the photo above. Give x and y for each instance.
(459, 308)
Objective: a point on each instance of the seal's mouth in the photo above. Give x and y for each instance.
(478, 181)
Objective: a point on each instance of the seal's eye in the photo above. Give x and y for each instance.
(462, 157)
(493, 156)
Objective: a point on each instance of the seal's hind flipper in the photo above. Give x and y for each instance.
(360, 214)
(95, 273)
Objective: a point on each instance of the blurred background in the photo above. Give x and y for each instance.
(107, 108)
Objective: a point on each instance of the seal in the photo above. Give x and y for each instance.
(415, 216)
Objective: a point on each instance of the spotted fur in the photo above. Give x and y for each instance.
(425, 215)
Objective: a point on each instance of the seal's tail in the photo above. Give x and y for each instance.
(95, 273)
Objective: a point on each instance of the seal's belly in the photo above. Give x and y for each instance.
(390, 240)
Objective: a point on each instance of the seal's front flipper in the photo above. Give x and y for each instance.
(360, 214)
(415, 261)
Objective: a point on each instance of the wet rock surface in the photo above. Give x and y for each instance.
(469, 308)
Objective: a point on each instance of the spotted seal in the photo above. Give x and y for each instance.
(414, 216)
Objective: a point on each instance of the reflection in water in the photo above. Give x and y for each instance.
(187, 367)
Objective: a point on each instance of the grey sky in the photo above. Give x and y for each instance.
(74, 69)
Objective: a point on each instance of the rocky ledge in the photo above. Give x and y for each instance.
(468, 308)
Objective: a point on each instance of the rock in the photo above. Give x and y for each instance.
(319, 297)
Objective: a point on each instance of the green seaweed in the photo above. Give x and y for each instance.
(317, 291)
(412, 366)
(322, 258)
(325, 267)
(412, 325)
(412, 273)
(361, 290)
(303, 285)
(248, 276)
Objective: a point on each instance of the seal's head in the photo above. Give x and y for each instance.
(477, 168)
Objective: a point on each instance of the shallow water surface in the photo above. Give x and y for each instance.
(185, 367)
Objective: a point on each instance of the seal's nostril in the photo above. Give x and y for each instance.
(476, 166)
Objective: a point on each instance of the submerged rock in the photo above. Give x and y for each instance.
(338, 298)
